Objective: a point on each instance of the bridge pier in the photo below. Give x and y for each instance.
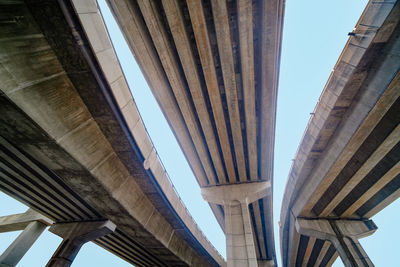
(32, 223)
(240, 245)
(75, 235)
(343, 234)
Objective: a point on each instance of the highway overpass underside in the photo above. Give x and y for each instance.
(72, 144)
(347, 167)
(213, 67)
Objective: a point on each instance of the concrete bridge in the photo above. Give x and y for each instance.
(347, 167)
(213, 68)
(74, 147)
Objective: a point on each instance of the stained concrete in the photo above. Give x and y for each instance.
(74, 145)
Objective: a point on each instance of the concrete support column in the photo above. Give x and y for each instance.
(343, 234)
(75, 235)
(33, 225)
(240, 245)
(239, 235)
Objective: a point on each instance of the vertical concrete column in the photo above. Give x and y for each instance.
(239, 235)
(14, 253)
(32, 223)
(75, 235)
(347, 235)
(240, 245)
(343, 234)
(248, 234)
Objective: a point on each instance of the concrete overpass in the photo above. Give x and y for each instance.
(73, 146)
(347, 165)
(213, 67)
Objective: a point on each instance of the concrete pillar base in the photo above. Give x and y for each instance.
(75, 235)
(343, 234)
(240, 245)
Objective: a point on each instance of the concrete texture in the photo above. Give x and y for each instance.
(343, 234)
(346, 166)
(20, 221)
(244, 193)
(235, 198)
(204, 67)
(128, 107)
(75, 235)
(32, 223)
(75, 148)
(70, 151)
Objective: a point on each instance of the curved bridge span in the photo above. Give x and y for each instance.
(74, 148)
(347, 166)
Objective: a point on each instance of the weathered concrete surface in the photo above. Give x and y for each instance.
(18, 248)
(75, 235)
(235, 198)
(20, 221)
(343, 234)
(244, 193)
(215, 80)
(346, 166)
(66, 148)
(32, 223)
(94, 27)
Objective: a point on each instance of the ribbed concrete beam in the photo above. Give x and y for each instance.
(66, 109)
(347, 166)
(343, 234)
(75, 235)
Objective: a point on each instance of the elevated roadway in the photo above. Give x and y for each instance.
(213, 67)
(73, 146)
(347, 167)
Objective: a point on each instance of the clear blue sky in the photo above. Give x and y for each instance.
(315, 33)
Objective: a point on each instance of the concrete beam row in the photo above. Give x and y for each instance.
(343, 234)
(93, 24)
(64, 118)
(33, 224)
(331, 139)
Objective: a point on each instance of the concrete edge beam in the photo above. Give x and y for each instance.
(343, 234)
(20, 221)
(244, 192)
(75, 235)
(240, 243)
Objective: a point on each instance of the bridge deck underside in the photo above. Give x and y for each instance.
(58, 133)
(347, 165)
(213, 68)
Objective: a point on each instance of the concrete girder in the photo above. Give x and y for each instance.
(62, 124)
(32, 223)
(75, 235)
(337, 171)
(235, 198)
(20, 221)
(343, 234)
